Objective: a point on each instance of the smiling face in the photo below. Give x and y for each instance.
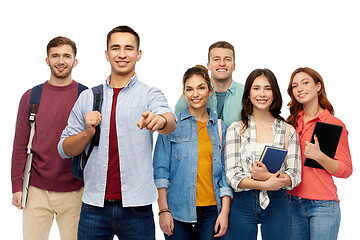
(61, 60)
(304, 88)
(122, 53)
(221, 64)
(196, 92)
(261, 95)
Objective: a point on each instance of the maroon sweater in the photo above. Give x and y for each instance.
(49, 171)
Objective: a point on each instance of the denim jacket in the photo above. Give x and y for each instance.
(176, 162)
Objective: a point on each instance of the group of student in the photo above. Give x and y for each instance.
(205, 171)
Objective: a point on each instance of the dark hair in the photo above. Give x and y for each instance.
(58, 41)
(221, 44)
(247, 106)
(295, 107)
(200, 71)
(123, 29)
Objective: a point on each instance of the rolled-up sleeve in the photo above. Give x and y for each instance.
(234, 169)
(161, 161)
(343, 156)
(76, 121)
(293, 161)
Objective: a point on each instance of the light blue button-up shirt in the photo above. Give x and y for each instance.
(135, 145)
(176, 163)
(232, 104)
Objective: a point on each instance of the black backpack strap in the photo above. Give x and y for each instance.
(98, 98)
(34, 102)
(81, 88)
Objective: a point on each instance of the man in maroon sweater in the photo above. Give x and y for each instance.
(53, 189)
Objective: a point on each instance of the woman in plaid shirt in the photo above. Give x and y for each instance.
(260, 197)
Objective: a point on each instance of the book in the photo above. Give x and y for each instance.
(273, 158)
(328, 136)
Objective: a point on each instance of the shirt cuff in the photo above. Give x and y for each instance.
(226, 191)
(161, 183)
(61, 149)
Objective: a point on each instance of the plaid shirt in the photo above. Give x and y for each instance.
(239, 159)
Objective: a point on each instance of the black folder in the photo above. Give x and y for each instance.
(328, 136)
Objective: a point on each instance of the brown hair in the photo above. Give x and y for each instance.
(247, 106)
(123, 29)
(58, 41)
(197, 70)
(221, 44)
(296, 107)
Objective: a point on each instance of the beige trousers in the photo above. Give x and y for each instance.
(42, 206)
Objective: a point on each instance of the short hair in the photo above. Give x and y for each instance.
(198, 70)
(247, 106)
(58, 41)
(221, 44)
(123, 29)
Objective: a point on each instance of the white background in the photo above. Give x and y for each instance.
(279, 35)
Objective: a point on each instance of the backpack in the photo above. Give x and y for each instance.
(35, 97)
(79, 162)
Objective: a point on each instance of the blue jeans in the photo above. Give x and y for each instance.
(246, 214)
(130, 223)
(203, 229)
(314, 219)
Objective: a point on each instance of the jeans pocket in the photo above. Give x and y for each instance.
(143, 210)
(324, 203)
(88, 207)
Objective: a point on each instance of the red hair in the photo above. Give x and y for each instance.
(295, 107)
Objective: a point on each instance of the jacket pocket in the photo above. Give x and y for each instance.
(179, 146)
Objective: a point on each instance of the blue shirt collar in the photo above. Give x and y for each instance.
(186, 114)
(132, 81)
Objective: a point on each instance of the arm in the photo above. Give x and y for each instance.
(222, 220)
(19, 154)
(75, 145)
(341, 165)
(166, 220)
(159, 116)
(161, 165)
(234, 169)
(163, 123)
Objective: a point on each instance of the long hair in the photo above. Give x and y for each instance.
(295, 107)
(247, 106)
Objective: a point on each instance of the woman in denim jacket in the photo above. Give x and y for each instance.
(194, 197)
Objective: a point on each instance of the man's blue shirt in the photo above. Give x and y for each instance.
(135, 145)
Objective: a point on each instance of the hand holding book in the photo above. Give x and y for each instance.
(312, 150)
(260, 172)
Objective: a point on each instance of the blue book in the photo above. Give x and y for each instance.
(273, 158)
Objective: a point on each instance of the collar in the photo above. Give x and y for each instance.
(132, 81)
(322, 116)
(186, 114)
(231, 89)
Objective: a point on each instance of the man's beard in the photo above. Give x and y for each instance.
(63, 74)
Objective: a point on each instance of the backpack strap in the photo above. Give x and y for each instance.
(34, 102)
(98, 99)
(286, 137)
(81, 88)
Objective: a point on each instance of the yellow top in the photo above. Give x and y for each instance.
(205, 195)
